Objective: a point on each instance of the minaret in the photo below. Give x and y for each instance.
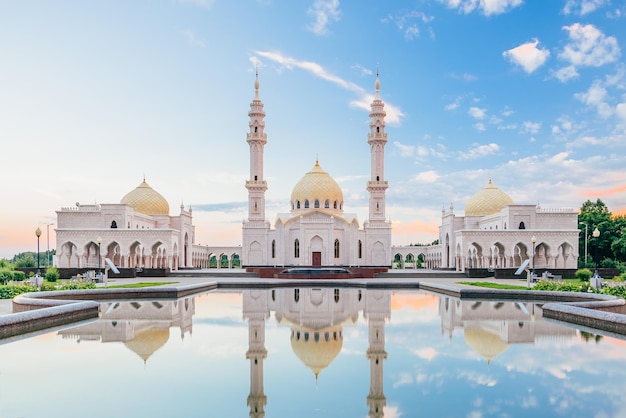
(377, 138)
(257, 139)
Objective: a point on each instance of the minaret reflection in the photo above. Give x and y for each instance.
(316, 317)
(256, 310)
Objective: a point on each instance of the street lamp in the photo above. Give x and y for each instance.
(38, 233)
(586, 236)
(534, 241)
(99, 241)
(596, 235)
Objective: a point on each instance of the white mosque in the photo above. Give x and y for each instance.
(494, 232)
(317, 231)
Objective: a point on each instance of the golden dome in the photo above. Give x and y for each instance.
(146, 200)
(318, 185)
(147, 342)
(485, 343)
(316, 348)
(487, 201)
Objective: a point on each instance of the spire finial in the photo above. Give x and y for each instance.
(377, 84)
(316, 159)
(256, 84)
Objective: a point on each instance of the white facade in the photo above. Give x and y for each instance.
(316, 231)
(496, 233)
(129, 238)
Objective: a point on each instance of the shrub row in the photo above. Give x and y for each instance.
(7, 275)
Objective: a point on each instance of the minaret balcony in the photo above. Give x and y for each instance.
(256, 136)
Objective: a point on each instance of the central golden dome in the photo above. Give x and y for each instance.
(316, 348)
(317, 185)
(487, 201)
(144, 199)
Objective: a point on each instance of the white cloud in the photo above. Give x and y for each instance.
(427, 353)
(487, 7)
(595, 96)
(407, 25)
(394, 113)
(620, 111)
(207, 4)
(582, 7)
(480, 151)
(324, 12)
(566, 73)
(532, 127)
(588, 46)
(405, 150)
(480, 126)
(527, 56)
(427, 177)
(362, 70)
(191, 37)
(477, 113)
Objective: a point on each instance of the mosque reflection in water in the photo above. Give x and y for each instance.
(316, 317)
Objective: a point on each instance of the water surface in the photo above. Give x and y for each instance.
(314, 353)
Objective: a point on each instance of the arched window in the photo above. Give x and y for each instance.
(336, 248)
(296, 248)
(296, 298)
(378, 129)
(298, 204)
(335, 205)
(377, 178)
(360, 249)
(273, 248)
(336, 294)
(327, 204)
(306, 204)
(113, 224)
(521, 225)
(316, 204)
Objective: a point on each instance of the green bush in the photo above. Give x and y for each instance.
(583, 274)
(6, 275)
(52, 274)
(19, 276)
(11, 290)
(77, 285)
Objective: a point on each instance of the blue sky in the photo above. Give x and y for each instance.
(95, 95)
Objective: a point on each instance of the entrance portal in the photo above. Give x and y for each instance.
(316, 258)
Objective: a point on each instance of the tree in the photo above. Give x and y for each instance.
(596, 215)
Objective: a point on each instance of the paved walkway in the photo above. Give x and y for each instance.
(6, 305)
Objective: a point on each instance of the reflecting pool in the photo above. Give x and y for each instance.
(314, 352)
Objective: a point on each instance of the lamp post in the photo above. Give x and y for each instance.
(534, 241)
(586, 236)
(596, 235)
(38, 233)
(48, 259)
(99, 241)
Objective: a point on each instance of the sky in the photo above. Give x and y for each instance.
(96, 95)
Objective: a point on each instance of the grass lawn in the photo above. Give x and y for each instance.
(138, 285)
(492, 285)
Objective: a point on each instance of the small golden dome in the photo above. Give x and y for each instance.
(316, 348)
(485, 343)
(487, 201)
(147, 342)
(318, 185)
(144, 199)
